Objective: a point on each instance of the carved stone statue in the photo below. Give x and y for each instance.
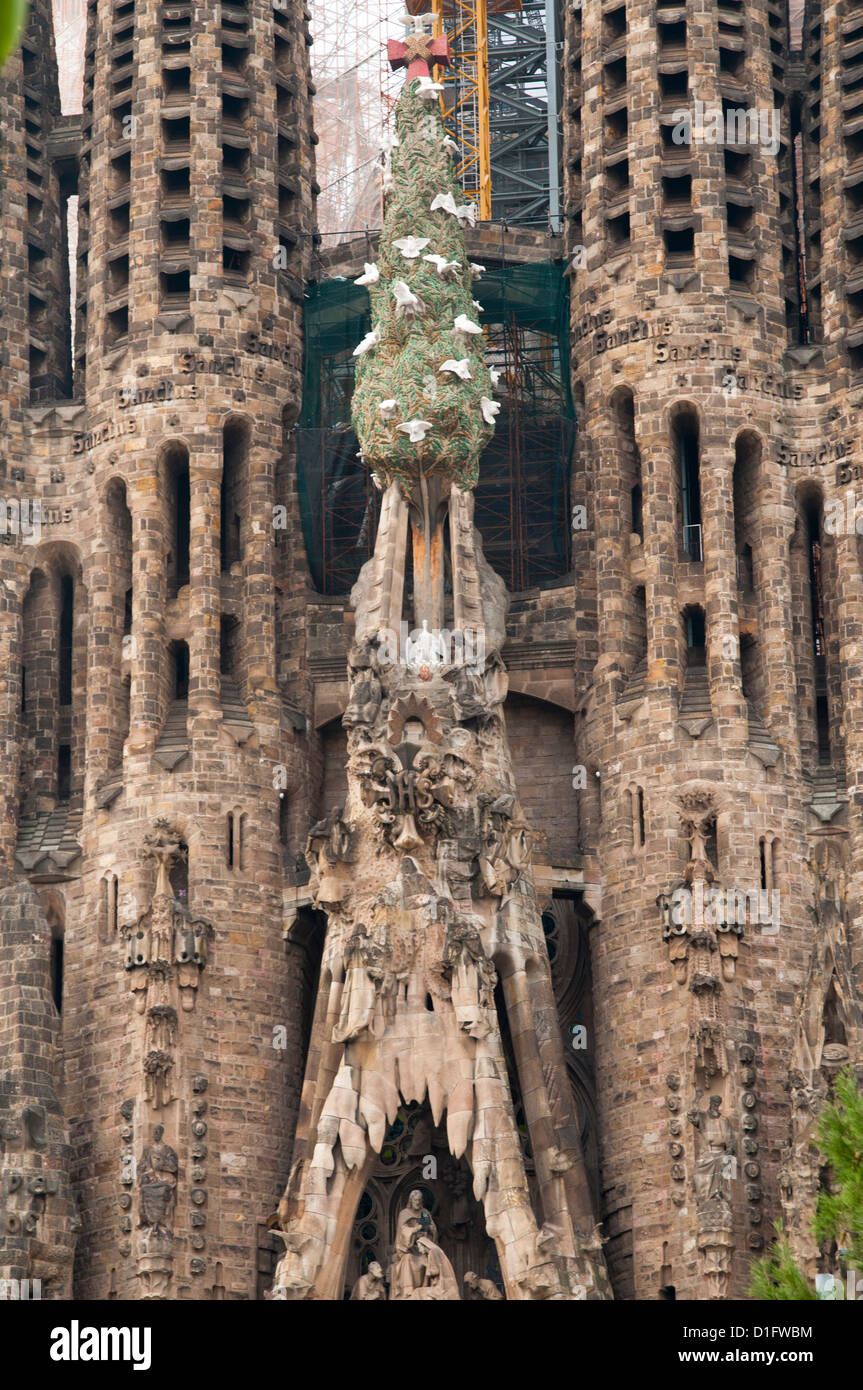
(420, 1270)
(157, 1182)
(370, 1287)
(478, 1290)
(715, 1168)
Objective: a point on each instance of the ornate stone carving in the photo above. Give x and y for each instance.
(370, 1287)
(166, 950)
(715, 1169)
(420, 1271)
(157, 1194)
(478, 1290)
(439, 887)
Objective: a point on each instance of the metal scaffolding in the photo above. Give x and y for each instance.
(501, 104)
(354, 99)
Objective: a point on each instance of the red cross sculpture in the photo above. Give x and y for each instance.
(417, 53)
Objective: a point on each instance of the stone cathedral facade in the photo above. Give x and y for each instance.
(630, 846)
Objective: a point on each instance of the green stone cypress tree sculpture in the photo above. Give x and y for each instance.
(423, 406)
(13, 14)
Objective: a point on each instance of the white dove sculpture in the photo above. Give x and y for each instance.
(476, 270)
(466, 212)
(445, 201)
(458, 368)
(447, 270)
(370, 275)
(462, 324)
(450, 145)
(415, 430)
(370, 341)
(408, 305)
(411, 246)
(388, 409)
(489, 409)
(428, 90)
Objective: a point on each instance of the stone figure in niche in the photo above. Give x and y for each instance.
(715, 1168)
(477, 1290)
(165, 846)
(157, 1182)
(420, 1270)
(370, 1287)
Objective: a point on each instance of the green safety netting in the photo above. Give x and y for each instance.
(522, 494)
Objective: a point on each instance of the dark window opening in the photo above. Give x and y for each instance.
(64, 772)
(696, 642)
(178, 556)
(618, 231)
(617, 176)
(117, 324)
(677, 191)
(67, 622)
(284, 820)
(637, 510)
(614, 74)
(741, 272)
(673, 35)
(180, 670)
(673, 84)
(175, 286)
(687, 451)
(57, 972)
(732, 61)
(175, 183)
(679, 244)
(617, 125)
(235, 261)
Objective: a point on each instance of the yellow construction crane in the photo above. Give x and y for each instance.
(465, 96)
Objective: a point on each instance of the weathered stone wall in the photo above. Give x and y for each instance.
(38, 1220)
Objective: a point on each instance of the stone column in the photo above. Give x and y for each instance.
(773, 586)
(720, 597)
(660, 565)
(205, 484)
(148, 607)
(10, 705)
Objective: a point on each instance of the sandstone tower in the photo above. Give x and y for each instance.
(714, 349)
(184, 518)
